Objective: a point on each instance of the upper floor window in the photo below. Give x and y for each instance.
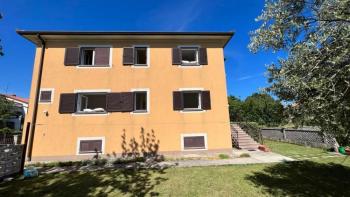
(137, 56)
(189, 56)
(87, 56)
(98, 56)
(140, 102)
(91, 103)
(191, 100)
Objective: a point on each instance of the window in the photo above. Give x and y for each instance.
(140, 56)
(140, 101)
(91, 103)
(191, 100)
(90, 146)
(194, 141)
(45, 96)
(189, 56)
(87, 56)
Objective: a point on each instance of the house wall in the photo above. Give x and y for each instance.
(56, 134)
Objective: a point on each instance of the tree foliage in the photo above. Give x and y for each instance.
(260, 108)
(7, 110)
(315, 76)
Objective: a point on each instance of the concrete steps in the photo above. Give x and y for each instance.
(244, 140)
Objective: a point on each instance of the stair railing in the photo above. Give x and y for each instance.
(234, 136)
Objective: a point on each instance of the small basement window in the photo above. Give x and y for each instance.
(87, 56)
(191, 100)
(91, 103)
(189, 56)
(140, 101)
(45, 96)
(90, 146)
(194, 142)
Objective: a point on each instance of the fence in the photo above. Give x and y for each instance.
(9, 138)
(10, 159)
(308, 137)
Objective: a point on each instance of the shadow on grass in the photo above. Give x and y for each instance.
(303, 178)
(139, 182)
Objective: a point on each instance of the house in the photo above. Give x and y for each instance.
(117, 92)
(21, 104)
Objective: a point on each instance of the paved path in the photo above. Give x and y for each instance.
(255, 158)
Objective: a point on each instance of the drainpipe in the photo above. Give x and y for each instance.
(36, 99)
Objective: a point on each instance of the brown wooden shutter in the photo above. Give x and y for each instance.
(120, 102)
(177, 101)
(176, 56)
(206, 104)
(102, 56)
(67, 103)
(203, 58)
(128, 56)
(72, 57)
(194, 142)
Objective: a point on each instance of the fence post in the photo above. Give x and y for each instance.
(284, 133)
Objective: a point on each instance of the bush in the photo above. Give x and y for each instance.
(224, 156)
(243, 155)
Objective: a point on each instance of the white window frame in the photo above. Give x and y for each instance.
(90, 138)
(91, 91)
(147, 90)
(52, 95)
(200, 110)
(194, 135)
(93, 57)
(148, 54)
(190, 65)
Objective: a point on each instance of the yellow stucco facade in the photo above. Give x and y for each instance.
(56, 135)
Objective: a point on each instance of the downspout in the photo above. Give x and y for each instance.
(36, 100)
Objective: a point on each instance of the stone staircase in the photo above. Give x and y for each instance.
(241, 140)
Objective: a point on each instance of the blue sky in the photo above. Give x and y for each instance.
(244, 70)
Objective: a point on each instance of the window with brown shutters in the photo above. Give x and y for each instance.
(192, 100)
(194, 142)
(88, 56)
(95, 56)
(189, 56)
(90, 146)
(45, 96)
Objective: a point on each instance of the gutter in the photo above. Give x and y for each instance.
(36, 100)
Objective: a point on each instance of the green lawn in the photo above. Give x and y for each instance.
(316, 177)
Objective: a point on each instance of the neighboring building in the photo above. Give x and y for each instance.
(101, 89)
(21, 104)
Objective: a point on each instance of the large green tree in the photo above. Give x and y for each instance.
(7, 110)
(315, 76)
(259, 107)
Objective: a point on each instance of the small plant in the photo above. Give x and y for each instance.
(224, 156)
(244, 155)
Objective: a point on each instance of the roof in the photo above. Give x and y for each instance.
(33, 36)
(17, 98)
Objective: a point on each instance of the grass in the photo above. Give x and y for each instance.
(314, 177)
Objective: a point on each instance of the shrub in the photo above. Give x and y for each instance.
(243, 155)
(224, 156)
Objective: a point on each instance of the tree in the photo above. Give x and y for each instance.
(315, 76)
(235, 109)
(260, 108)
(7, 110)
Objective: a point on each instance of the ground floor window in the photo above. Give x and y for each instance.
(194, 141)
(92, 145)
